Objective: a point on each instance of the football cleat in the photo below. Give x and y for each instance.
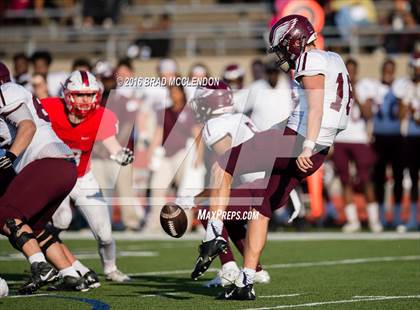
(234, 292)
(91, 279)
(69, 283)
(351, 227)
(225, 277)
(41, 274)
(262, 277)
(117, 276)
(208, 251)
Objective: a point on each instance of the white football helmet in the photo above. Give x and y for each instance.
(82, 82)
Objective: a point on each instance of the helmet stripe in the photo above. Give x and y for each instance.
(85, 79)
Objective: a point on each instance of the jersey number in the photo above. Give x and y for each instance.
(42, 114)
(336, 105)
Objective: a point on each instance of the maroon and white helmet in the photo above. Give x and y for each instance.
(211, 100)
(4, 74)
(288, 38)
(233, 75)
(414, 66)
(82, 82)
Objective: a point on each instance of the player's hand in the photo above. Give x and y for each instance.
(124, 156)
(303, 161)
(6, 161)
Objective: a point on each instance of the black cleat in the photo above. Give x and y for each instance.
(91, 279)
(234, 292)
(69, 283)
(208, 252)
(42, 273)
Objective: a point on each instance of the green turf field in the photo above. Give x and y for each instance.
(344, 274)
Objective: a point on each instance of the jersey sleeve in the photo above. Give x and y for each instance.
(310, 64)
(108, 126)
(14, 103)
(213, 132)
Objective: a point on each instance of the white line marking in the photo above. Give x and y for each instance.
(27, 296)
(279, 296)
(346, 301)
(282, 236)
(298, 265)
(161, 295)
(86, 255)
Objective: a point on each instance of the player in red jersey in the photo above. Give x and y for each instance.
(79, 121)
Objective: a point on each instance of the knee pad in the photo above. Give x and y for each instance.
(51, 233)
(18, 240)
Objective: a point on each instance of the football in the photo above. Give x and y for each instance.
(173, 220)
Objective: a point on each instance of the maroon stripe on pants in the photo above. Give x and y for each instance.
(37, 191)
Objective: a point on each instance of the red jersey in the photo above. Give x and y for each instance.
(99, 125)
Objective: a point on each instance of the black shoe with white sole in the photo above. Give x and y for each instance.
(69, 283)
(42, 273)
(234, 292)
(208, 251)
(91, 279)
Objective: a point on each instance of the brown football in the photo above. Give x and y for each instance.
(173, 220)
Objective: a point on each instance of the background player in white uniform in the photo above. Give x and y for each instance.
(352, 145)
(407, 91)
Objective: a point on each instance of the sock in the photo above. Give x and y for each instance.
(372, 209)
(37, 258)
(214, 229)
(245, 277)
(80, 267)
(69, 271)
(107, 252)
(229, 266)
(351, 213)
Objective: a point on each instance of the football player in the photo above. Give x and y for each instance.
(321, 111)
(352, 144)
(388, 141)
(46, 173)
(407, 91)
(223, 129)
(79, 121)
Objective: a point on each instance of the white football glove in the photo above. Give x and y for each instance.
(4, 289)
(124, 157)
(185, 202)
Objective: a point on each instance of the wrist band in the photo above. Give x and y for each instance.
(309, 144)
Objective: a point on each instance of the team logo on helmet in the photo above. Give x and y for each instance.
(280, 32)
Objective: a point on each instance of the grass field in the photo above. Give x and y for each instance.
(328, 274)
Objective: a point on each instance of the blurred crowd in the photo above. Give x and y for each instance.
(391, 24)
(374, 163)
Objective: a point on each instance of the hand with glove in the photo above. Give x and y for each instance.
(185, 202)
(6, 160)
(123, 157)
(7, 172)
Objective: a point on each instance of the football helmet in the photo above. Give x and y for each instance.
(4, 74)
(82, 82)
(288, 38)
(211, 100)
(233, 75)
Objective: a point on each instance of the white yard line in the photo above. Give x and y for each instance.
(345, 301)
(27, 296)
(298, 265)
(277, 236)
(90, 255)
(279, 296)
